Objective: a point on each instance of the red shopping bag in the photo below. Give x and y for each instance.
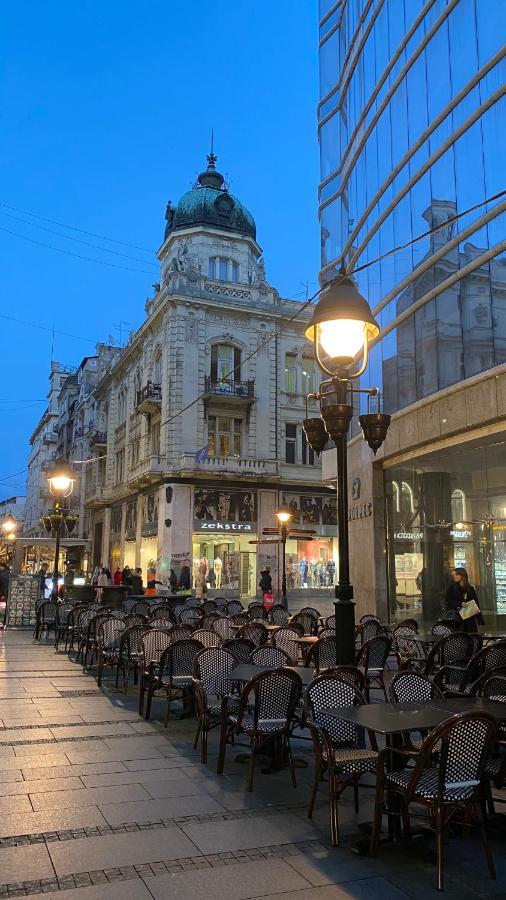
(268, 601)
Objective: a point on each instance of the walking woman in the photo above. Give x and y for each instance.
(459, 594)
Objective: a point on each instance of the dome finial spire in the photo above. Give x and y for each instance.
(212, 158)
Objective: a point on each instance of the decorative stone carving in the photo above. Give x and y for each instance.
(214, 287)
(191, 329)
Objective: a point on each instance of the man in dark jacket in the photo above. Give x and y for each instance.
(265, 582)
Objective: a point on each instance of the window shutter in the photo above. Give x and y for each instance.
(237, 364)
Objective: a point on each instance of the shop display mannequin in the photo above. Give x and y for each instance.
(303, 568)
(217, 566)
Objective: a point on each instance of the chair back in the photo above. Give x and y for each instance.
(208, 619)
(411, 687)
(351, 674)
(311, 611)
(369, 617)
(254, 631)
(458, 646)
(488, 659)
(142, 607)
(240, 618)
(493, 685)
(180, 632)
(240, 648)
(326, 632)
(220, 602)
(161, 623)
(48, 611)
(307, 621)
(109, 632)
(208, 606)
(162, 611)
(212, 669)
(374, 653)
(234, 607)
(270, 656)
(131, 641)
(330, 621)
(465, 740)
(207, 637)
(154, 642)
(189, 616)
(329, 691)
(441, 629)
(193, 603)
(178, 660)
(278, 614)
(286, 638)
(272, 697)
(135, 619)
(223, 626)
(257, 611)
(368, 630)
(409, 623)
(323, 654)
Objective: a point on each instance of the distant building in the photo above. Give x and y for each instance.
(13, 506)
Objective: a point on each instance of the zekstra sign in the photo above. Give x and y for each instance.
(228, 527)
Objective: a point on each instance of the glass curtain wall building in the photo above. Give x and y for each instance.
(412, 126)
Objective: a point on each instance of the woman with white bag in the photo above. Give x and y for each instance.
(461, 596)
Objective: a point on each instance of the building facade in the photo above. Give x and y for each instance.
(412, 129)
(187, 440)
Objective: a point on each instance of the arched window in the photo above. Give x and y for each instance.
(225, 363)
(122, 405)
(157, 368)
(458, 506)
(222, 268)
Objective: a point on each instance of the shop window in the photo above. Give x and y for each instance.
(291, 373)
(290, 442)
(224, 436)
(307, 451)
(225, 363)
(308, 375)
(458, 506)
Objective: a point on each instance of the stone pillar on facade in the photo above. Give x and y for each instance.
(106, 536)
(267, 554)
(175, 540)
(138, 534)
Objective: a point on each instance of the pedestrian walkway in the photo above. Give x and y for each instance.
(97, 804)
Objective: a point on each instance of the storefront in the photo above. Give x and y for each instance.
(312, 563)
(130, 548)
(447, 509)
(224, 523)
(115, 539)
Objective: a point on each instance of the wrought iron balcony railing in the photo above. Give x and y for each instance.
(243, 390)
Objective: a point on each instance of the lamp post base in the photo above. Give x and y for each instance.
(345, 625)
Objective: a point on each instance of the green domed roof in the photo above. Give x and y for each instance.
(210, 203)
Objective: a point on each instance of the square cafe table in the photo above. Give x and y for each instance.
(245, 672)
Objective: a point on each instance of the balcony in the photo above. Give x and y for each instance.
(146, 470)
(50, 439)
(149, 399)
(235, 391)
(95, 495)
(98, 439)
(235, 466)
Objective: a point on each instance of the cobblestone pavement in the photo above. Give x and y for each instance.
(97, 803)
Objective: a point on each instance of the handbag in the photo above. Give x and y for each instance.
(469, 610)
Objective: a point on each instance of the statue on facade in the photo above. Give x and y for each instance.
(169, 218)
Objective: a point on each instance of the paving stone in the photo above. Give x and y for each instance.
(44, 784)
(123, 890)
(40, 760)
(33, 774)
(9, 735)
(13, 804)
(91, 731)
(260, 831)
(108, 754)
(159, 762)
(154, 810)
(231, 882)
(87, 854)
(49, 820)
(24, 863)
(146, 778)
(70, 799)
(366, 889)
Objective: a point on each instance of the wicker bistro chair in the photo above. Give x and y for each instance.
(224, 628)
(207, 637)
(330, 621)
(136, 619)
(336, 742)
(441, 629)
(366, 631)
(175, 673)
(286, 638)
(194, 603)
(254, 631)
(154, 641)
(109, 632)
(221, 602)
(71, 626)
(274, 657)
(266, 709)
(322, 654)
(311, 611)
(162, 623)
(162, 612)
(142, 606)
(91, 643)
(130, 653)
(372, 660)
(240, 648)
(444, 784)
(85, 636)
(492, 686)
(62, 613)
(208, 619)
(410, 653)
(240, 618)
(460, 679)
(234, 608)
(307, 621)
(454, 649)
(180, 632)
(413, 687)
(257, 611)
(326, 632)
(211, 682)
(190, 616)
(351, 674)
(278, 615)
(368, 617)
(408, 623)
(46, 618)
(208, 606)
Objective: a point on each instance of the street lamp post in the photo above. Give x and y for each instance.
(283, 516)
(341, 328)
(8, 527)
(61, 480)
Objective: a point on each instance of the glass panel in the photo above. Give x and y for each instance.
(291, 373)
(223, 269)
(211, 269)
(308, 376)
(235, 272)
(225, 362)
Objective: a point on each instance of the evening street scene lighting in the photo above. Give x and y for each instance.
(253, 455)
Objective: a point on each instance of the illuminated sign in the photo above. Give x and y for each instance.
(408, 535)
(460, 534)
(199, 525)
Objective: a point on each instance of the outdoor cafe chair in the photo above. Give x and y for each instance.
(254, 631)
(154, 641)
(408, 623)
(174, 675)
(266, 709)
(180, 632)
(209, 606)
(91, 642)
(130, 653)
(240, 618)
(194, 603)
(208, 619)
(286, 638)
(136, 619)
(234, 608)
(311, 611)
(413, 687)
(408, 650)
(207, 637)
(220, 602)
(366, 631)
(330, 621)
(351, 674)
(86, 617)
(307, 621)
(372, 660)
(278, 615)
(461, 678)
(62, 613)
(224, 627)
(454, 649)
(108, 633)
(71, 626)
(211, 682)
(369, 617)
(326, 632)
(189, 616)
(141, 606)
(336, 743)
(441, 629)
(162, 611)
(46, 618)
(492, 686)
(445, 783)
(257, 611)
(161, 622)
(322, 654)
(274, 657)
(240, 648)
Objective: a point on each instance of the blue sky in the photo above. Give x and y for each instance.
(106, 109)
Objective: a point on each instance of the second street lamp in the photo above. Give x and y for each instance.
(61, 480)
(283, 515)
(340, 330)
